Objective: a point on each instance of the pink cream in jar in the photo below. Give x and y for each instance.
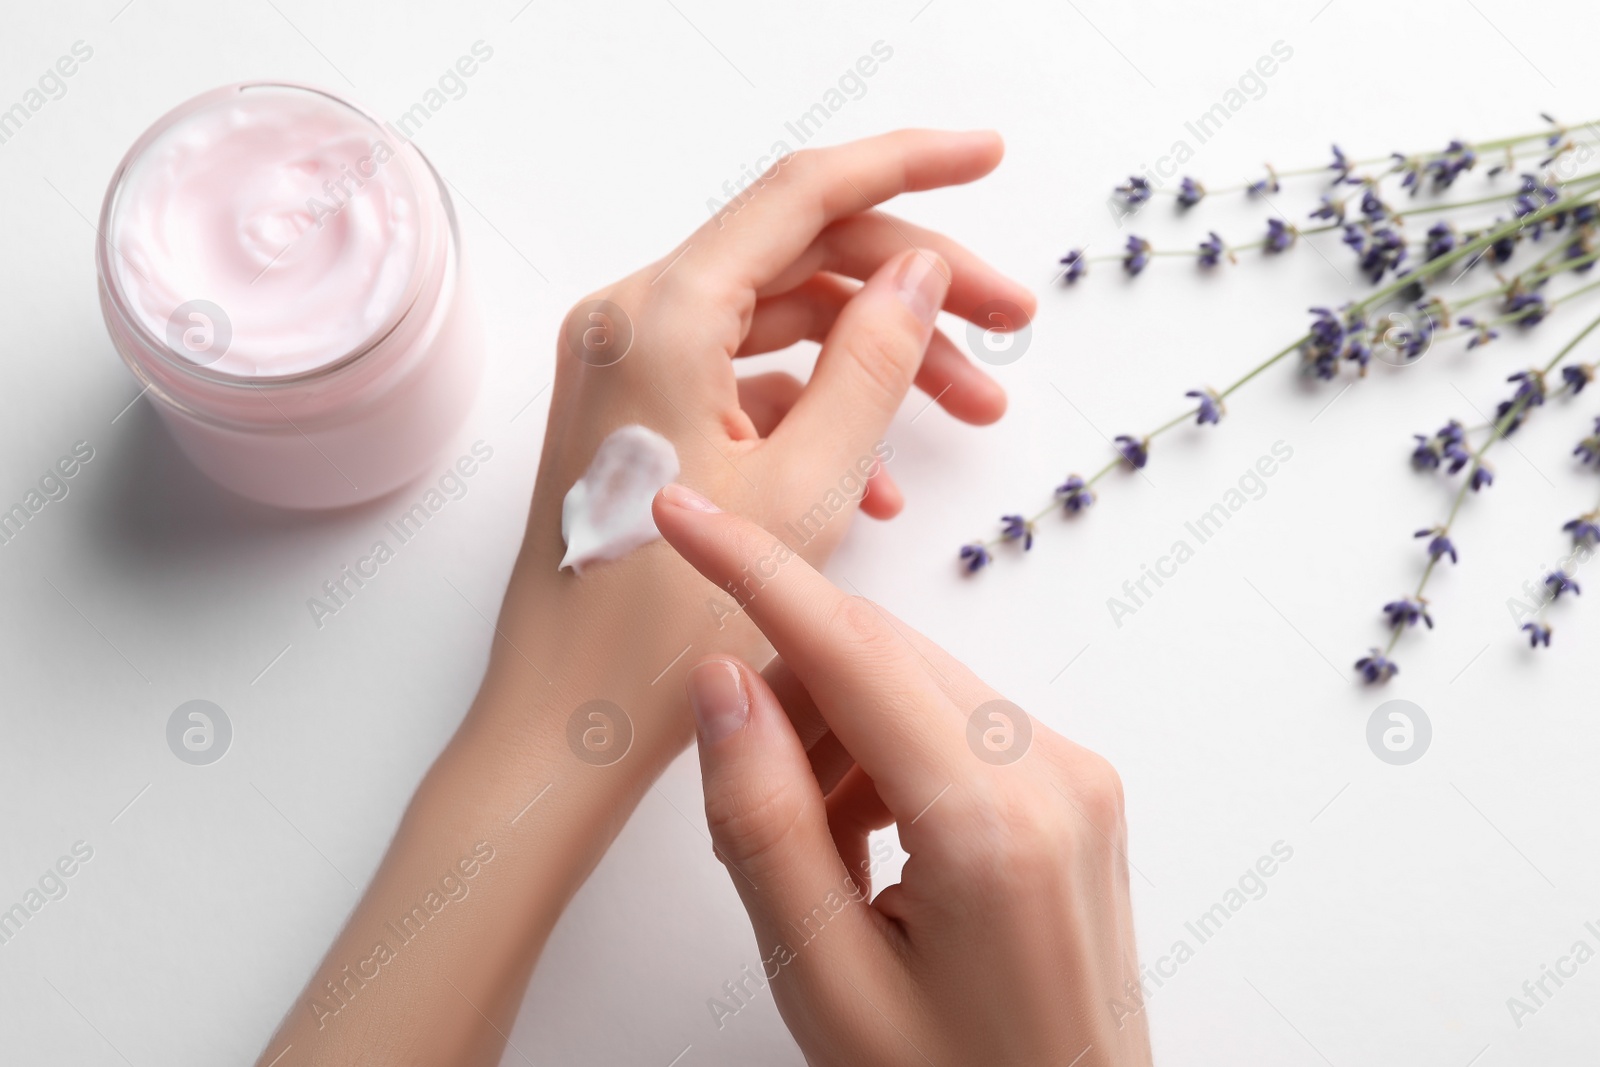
(282, 272)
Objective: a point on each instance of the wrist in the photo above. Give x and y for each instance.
(625, 633)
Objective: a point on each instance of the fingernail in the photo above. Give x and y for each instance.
(924, 278)
(721, 705)
(684, 497)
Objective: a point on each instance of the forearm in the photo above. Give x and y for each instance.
(514, 814)
(432, 964)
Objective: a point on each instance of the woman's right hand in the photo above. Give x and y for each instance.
(1009, 938)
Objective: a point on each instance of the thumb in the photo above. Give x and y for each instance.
(769, 822)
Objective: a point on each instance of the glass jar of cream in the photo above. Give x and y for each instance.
(282, 272)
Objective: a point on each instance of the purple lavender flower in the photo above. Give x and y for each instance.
(1280, 236)
(1409, 166)
(1484, 335)
(1446, 444)
(1015, 527)
(1530, 386)
(1455, 160)
(1211, 250)
(1482, 476)
(1376, 668)
(1559, 582)
(1385, 251)
(1138, 257)
(1355, 237)
(1136, 191)
(1412, 341)
(1581, 248)
(1539, 189)
(1321, 348)
(1425, 457)
(1509, 417)
(1407, 612)
(1075, 494)
(1503, 247)
(1372, 206)
(1589, 448)
(1332, 210)
(1481, 333)
(1529, 308)
(1341, 166)
(1441, 240)
(1357, 351)
(976, 556)
(1414, 285)
(1575, 376)
(1266, 185)
(1210, 409)
(1523, 206)
(1190, 192)
(1076, 265)
(1538, 633)
(1353, 321)
(1133, 450)
(1441, 545)
(1534, 195)
(1584, 529)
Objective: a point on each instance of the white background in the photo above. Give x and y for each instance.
(1418, 898)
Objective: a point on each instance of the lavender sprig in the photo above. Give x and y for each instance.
(976, 555)
(1530, 394)
(1380, 246)
(1585, 533)
(1443, 166)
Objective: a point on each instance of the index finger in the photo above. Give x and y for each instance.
(867, 681)
(775, 219)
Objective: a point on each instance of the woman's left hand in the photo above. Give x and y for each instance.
(776, 266)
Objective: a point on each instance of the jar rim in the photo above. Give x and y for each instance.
(147, 340)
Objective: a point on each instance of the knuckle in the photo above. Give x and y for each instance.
(708, 303)
(1010, 830)
(1028, 830)
(750, 822)
(855, 620)
(883, 357)
(1099, 791)
(689, 285)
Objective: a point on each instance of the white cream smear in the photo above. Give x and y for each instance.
(606, 513)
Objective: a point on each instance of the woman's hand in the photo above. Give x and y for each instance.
(769, 270)
(776, 267)
(1009, 939)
